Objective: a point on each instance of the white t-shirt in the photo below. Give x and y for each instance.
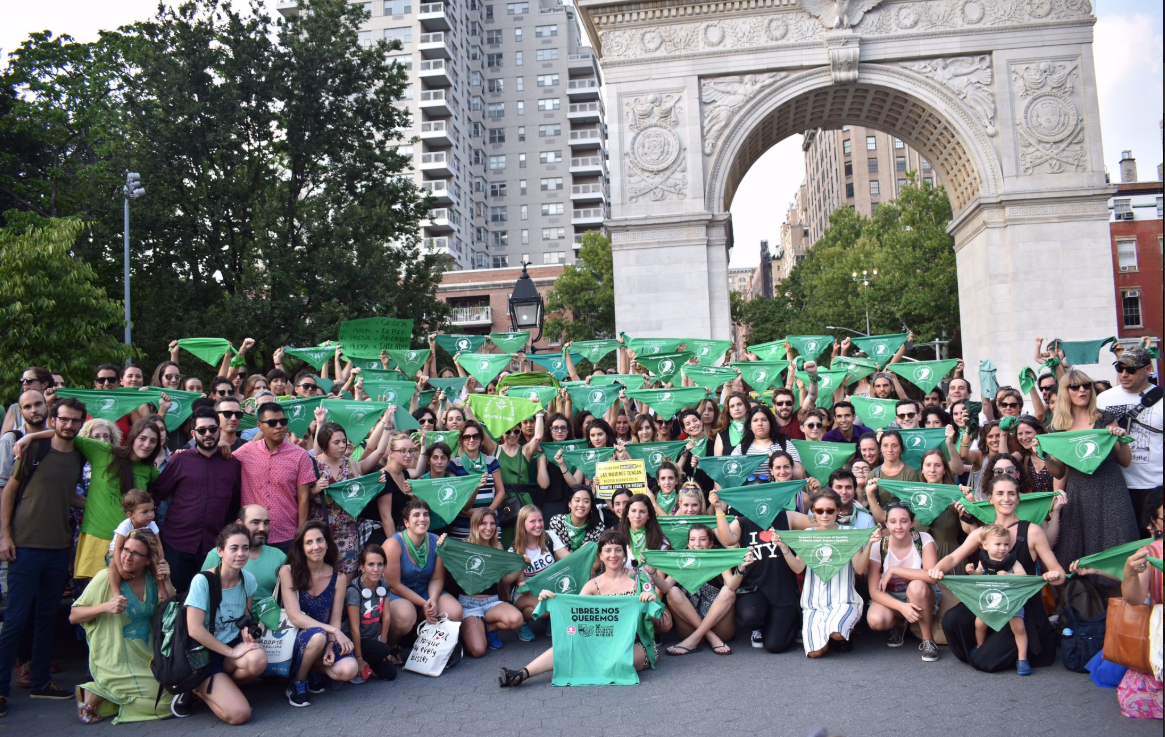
(913, 560)
(127, 527)
(541, 559)
(1145, 471)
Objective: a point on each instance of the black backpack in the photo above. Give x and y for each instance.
(1084, 613)
(180, 663)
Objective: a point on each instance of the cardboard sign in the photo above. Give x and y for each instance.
(611, 475)
(368, 337)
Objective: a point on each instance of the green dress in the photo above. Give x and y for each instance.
(119, 654)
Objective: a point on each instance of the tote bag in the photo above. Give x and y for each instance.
(435, 643)
(278, 643)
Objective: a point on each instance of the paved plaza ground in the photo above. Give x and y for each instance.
(871, 691)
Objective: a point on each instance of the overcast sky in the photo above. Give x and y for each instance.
(1127, 50)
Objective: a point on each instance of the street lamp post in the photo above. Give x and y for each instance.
(864, 280)
(848, 330)
(132, 190)
(526, 308)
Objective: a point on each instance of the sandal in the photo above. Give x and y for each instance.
(510, 678)
(394, 656)
(679, 650)
(722, 649)
(86, 713)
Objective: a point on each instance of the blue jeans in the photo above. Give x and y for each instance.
(35, 576)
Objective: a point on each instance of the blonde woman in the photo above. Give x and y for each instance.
(541, 548)
(486, 612)
(691, 500)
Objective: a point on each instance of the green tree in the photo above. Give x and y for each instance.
(54, 313)
(581, 304)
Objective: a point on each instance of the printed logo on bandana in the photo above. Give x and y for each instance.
(880, 349)
(689, 561)
(483, 365)
(591, 455)
(877, 410)
(447, 493)
(920, 500)
(463, 345)
(597, 395)
(762, 509)
(656, 458)
(665, 397)
(824, 554)
(705, 350)
(108, 404)
(922, 374)
(373, 365)
(475, 564)
(667, 366)
(532, 396)
(732, 468)
(826, 382)
(297, 410)
(1087, 449)
(760, 376)
(823, 458)
(557, 364)
(916, 442)
(652, 350)
(175, 407)
(810, 346)
(390, 395)
(412, 355)
(993, 600)
(565, 585)
(571, 630)
(358, 416)
(354, 491)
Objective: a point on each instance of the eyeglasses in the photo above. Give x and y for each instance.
(1086, 386)
(907, 415)
(1007, 471)
(406, 451)
(813, 426)
(173, 377)
(134, 555)
(825, 510)
(559, 428)
(474, 436)
(1122, 369)
(103, 380)
(282, 422)
(70, 420)
(1010, 405)
(206, 429)
(231, 414)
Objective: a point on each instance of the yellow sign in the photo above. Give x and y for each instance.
(612, 475)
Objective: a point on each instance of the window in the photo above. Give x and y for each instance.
(875, 189)
(1122, 206)
(475, 29)
(517, 8)
(525, 212)
(522, 186)
(365, 38)
(497, 163)
(495, 85)
(1158, 208)
(525, 242)
(553, 234)
(404, 60)
(497, 189)
(930, 181)
(521, 133)
(476, 103)
(367, 8)
(520, 82)
(518, 35)
(554, 129)
(558, 257)
(1131, 307)
(550, 157)
(489, 12)
(478, 184)
(871, 143)
(849, 190)
(547, 80)
(497, 135)
(901, 184)
(497, 214)
(545, 31)
(551, 184)
(476, 130)
(521, 161)
(405, 151)
(517, 58)
(493, 36)
(496, 109)
(845, 129)
(546, 54)
(521, 107)
(849, 168)
(1126, 254)
(898, 144)
(406, 92)
(845, 147)
(478, 157)
(873, 166)
(398, 7)
(553, 208)
(404, 34)
(549, 103)
(479, 234)
(900, 163)
(493, 61)
(925, 165)
(499, 239)
(501, 262)
(475, 53)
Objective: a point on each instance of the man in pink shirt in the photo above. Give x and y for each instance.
(277, 474)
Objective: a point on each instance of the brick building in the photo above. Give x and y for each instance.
(479, 298)
(1136, 232)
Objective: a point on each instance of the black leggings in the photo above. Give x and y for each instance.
(376, 655)
(778, 624)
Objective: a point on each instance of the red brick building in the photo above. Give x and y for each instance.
(1136, 233)
(479, 298)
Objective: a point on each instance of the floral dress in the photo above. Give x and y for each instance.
(343, 525)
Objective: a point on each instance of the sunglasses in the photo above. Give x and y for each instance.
(427, 421)
(274, 423)
(1048, 388)
(1010, 405)
(514, 431)
(232, 414)
(26, 382)
(174, 377)
(762, 477)
(1009, 471)
(223, 392)
(825, 510)
(474, 436)
(1122, 369)
(307, 385)
(907, 415)
(241, 375)
(813, 426)
(1086, 386)
(206, 429)
(103, 380)
(782, 404)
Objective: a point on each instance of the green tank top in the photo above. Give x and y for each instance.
(515, 469)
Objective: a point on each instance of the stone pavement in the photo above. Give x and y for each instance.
(870, 691)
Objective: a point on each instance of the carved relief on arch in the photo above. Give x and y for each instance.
(1049, 127)
(655, 156)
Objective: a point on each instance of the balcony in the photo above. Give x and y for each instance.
(440, 190)
(436, 46)
(436, 133)
(432, 17)
(287, 8)
(586, 192)
(584, 61)
(436, 245)
(585, 112)
(586, 88)
(586, 138)
(437, 163)
(462, 316)
(588, 165)
(436, 102)
(589, 216)
(440, 219)
(436, 73)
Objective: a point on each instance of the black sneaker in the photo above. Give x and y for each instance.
(317, 683)
(297, 693)
(182, 705)
(50, 691)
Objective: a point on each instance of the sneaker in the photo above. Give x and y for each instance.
(1023, 667)
(929, 651)
(182, 705)
(758, 638)
(493, 640)
(297, 694)
(525, 634)
(317, 683)
(897, 636)
(51, 691)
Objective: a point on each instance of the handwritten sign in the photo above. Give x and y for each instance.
(611, 475)
(368, 337)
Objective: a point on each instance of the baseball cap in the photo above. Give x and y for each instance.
(1135, 357)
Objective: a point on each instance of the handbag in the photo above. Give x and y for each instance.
(279, 643)
(508, 510)
(1126, 635)
(434, 646)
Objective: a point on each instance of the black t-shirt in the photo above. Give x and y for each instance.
(399, 499)
(770, 574)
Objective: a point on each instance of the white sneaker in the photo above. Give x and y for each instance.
(757, 639)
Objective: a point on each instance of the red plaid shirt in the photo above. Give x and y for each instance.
(273, 479)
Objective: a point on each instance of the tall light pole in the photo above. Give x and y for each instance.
(865, 280)
(132, 190)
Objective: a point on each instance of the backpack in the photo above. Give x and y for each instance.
(1083, 614)
(885, 546)
(180, 663)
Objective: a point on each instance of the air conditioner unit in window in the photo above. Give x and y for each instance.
(1133, 294)
(1127, 268)
(1124, 216)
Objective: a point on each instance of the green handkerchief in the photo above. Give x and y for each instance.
(181, 405)
(875, 414)
(652, 346)
(760, 375)
(826, 552)
(594, 350)
(994, 599)
(1027, 379)
(693, 568)
(447, 496)
(551, 447)
(585, 459)
(675, 527)
(629, 381)
(484, 367)
(1083, 450)
(300, 413)
(730, 471)
(665, 367)
(881, 348)
(454, 344)
(1155, 562)
(925, 375)
(857, 368)
(112, 404)
(552, 363)
(409, 361)
(707, 352)
(499, 414)
(988, 385)
(392, 391)
(1081, 352)
(1112, 561)
(771, 351)
(314, 356)
(566, 576)
(452, 387)
(915, 443)
(1032, 507)
(543, 395)
(448, 437)
(477, 567)
(828, 381)
(709, 377)
(821, 459)
(207, 350)
(353, 495)
(594, 399)
(761, 503)
(927, 501)
(810, 347)
(654, 454)
(357, 418)
(510, 342)
(668, 402)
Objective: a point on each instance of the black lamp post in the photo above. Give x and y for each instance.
(526, 311)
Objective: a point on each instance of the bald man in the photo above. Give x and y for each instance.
(34, 411)
(264, 560)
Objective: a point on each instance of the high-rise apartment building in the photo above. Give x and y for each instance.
(795, 238)
(508, 125)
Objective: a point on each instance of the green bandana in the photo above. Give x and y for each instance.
(638, 543)
(760, 375)
(826, 552)
(585, 459)
(927, 501)
(709, 377)
(1083, 450)
(447, 496)
(875, 414)
(761, 503)
(391, 391)
(1080, 352)
(1155, 562)
(354, 495)
(366, 338)
(693, 568)
(668, 402)
(735, 432)
(419, 553)
(543, 395)
(857, 368)
(473, 465)
(484, 367)
(652, 346)
(700, 447)
(594, 399)
(707, 352)
(301, 413)
(477, 567)
(595, 638)
(209, 350)
(987, 383)
(454, 344)
(629, 381)
(551, 447)
(594, 350)
(810, 347)
(667, 502)
(364, 364)
(357, 418)
(665, 367)
(675, 527)
(881, 348)
(451, 387)
(553, 363)
(729, 471)
(432, 437)
(566, 576)
(409, 361)
(113, 404)
(994, 599)
(828, 381)
(181, 405)
(510, 342)
(266, 611)
(925, 375)
(821, 459)
(915, 443)
(1112, 561)
(425, 397)
(324, 384)
(403, 420)
(1032, 507)
(1027, 379)
(314, 356)
(577, 533)
(654, 454)
(774, 350)
(499, 414)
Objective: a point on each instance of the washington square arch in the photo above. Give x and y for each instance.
(999, 95)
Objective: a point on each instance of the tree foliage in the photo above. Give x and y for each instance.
(581, 304)
(916, 287)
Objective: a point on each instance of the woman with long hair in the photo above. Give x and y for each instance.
(540, 547)
(1026, 431)
(473, 461)
(730, 430)
(762, 435)
(641, 528)
(557, 482)
(643, 429)
(486, 612)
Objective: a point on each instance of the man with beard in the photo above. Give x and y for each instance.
(34, 411)
(264, 560)
(204, 490)
(846, 429)
(230, 415)
(1138, 404)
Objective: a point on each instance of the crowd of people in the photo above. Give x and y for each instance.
(228, 504)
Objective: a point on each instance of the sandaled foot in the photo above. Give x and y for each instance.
(680, 650)
(510, 678)
(722, 649)
(86, 713)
